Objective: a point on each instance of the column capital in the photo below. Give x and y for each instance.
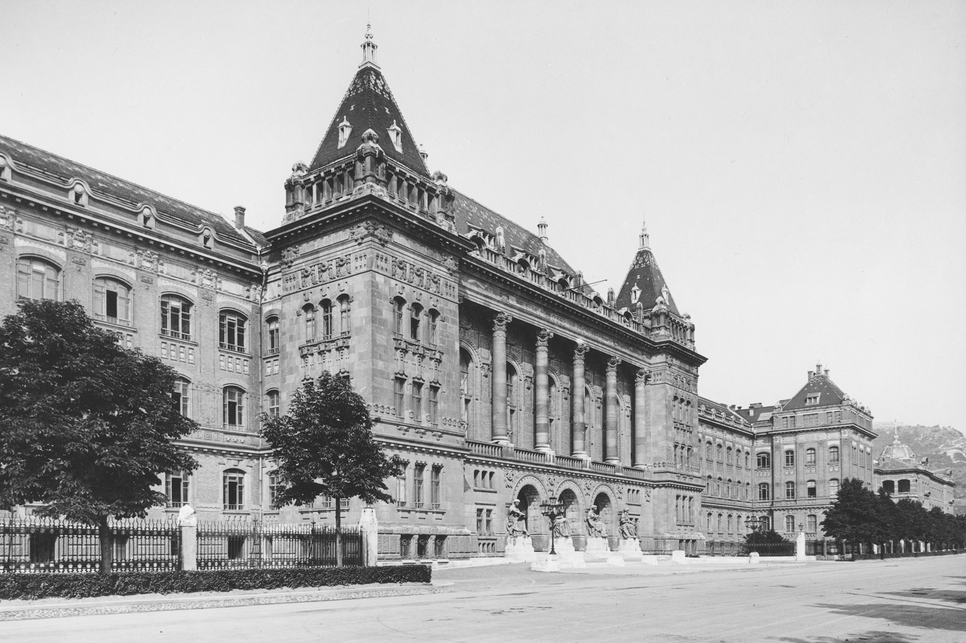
(613, 363)
(500, 322)
(579, 351)
(642, 376)
(543, 338)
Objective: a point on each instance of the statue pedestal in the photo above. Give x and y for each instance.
(519, 549)
(597, 550)
(630, 550)
(548, 564)
(566, 554)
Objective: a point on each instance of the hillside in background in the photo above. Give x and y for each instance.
(943, 445)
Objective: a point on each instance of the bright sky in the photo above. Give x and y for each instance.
(802, 165)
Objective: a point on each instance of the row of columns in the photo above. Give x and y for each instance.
(542, 396)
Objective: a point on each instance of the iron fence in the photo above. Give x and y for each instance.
(48, 545)
(786, 548)
(723, 548)
(255, 544)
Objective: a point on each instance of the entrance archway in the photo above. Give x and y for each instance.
(571, 507)
(603, 505)
(529, 499)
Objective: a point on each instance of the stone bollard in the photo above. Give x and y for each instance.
(800, 547)
(188, 522)
(753, 558)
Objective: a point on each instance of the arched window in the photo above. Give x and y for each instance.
(708, 452)
(345, 321)
(112, 300)
(905, 486)
(176, 317)
(833, 487)
(325, 310)
(789, 523)
(810, 457)
(398, 304)
(466, 395)
(37, 279)
(432, 327)
(309, 312)
(811, 490)
(764, 491)
(231, 331)
(273, 338)
(182, 396)
(719, 452)
(233, 481)
(273, 399)
(789, 458)
(833, 455)
(415, 315)
(764, 460)
(730, 455)
(511, 405)
(731, 523)
(176, 488)
(233, 411)
(789, 490)
(709, 487)
(889, 486)
(718, 487)
(747, 459)
(731, 488)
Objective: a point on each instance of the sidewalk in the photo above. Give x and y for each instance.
(59, 607)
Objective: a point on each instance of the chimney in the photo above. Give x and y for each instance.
(423, 154)
(811, 374)
(826, 372)
(610, 297)
(239, 217)
(542, 230)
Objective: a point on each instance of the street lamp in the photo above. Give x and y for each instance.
(752, 523)
(552, 509)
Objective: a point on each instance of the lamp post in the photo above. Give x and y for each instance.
(752, 523)
(552, 509)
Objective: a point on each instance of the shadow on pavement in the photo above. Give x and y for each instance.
(948, 595)
(872, 636)
(910, 615)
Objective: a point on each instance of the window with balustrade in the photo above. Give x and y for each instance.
(176, 317)
(38, 279)
(112, 301)
(231, 331)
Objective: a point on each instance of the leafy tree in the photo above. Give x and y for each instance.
(324, 446)
(85, 425)
(770, 541)
(858, 515)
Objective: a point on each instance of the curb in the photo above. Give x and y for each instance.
(184, 602)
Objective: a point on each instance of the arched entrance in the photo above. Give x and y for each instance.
(607, 516)
(571, 506)
(529, 499)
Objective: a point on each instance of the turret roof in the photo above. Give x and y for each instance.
(644, 282)
(819, 384)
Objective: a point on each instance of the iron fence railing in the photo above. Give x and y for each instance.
(46, 545)
(256, 544)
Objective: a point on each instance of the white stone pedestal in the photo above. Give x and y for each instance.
(630, 550)
(519, 549)
(597, 550)
(566, 554)
(800, 547)
(678, 556)
(546, 563)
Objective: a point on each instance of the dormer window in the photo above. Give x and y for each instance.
(813, 398)
(207, 239)
(635, 294)
(146, 218)
(345, 128)
(395, 135)
(78, 195)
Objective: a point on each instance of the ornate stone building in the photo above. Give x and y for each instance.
(490, 366)
(900, 474)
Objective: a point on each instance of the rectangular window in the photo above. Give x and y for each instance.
(810, 457)
(479, 521)
(399, 399)
(417, 400)
(434, 487)
(812, 522)
(401, 495)
(234, 490)
(833, 455)
(176, 489)
(789, 458)
(434, 405)
(418, 472)
(812, 490)
(488, 526)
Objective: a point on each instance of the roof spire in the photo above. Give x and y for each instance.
(645, 238)
(369, 49)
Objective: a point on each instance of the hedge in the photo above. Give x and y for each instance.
(34, 586)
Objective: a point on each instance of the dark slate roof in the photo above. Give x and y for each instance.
(119, 189)
(646, 275)
(819, 383)
(257, 235)
(724, 410)
(757, 413)
(471, 215)
(368, 104)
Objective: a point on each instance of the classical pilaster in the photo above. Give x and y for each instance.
(578, 425)
(640, 418)
(499, 430)
(611, 413)
(542, 422)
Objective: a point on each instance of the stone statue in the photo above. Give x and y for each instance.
(187, 517)
(595, 526)
(628, 526)
(516, 521)
(561, 527)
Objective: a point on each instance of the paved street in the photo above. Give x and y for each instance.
(896, 601)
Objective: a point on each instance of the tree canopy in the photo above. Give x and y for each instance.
(86, 426)
(324, 447)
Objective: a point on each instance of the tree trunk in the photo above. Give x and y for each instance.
(107, 544)
(338, 531)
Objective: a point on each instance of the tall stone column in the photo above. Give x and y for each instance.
(542, 424)
(640, 419)
(578, 425)
(611, 413)
(498, 405)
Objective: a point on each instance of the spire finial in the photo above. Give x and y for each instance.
(369, 49)
(645, 238)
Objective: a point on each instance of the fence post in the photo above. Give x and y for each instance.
(369, 528)
(188, 522)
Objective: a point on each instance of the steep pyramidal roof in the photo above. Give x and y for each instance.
(818, 385)
(644, 282)
(368, 104)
